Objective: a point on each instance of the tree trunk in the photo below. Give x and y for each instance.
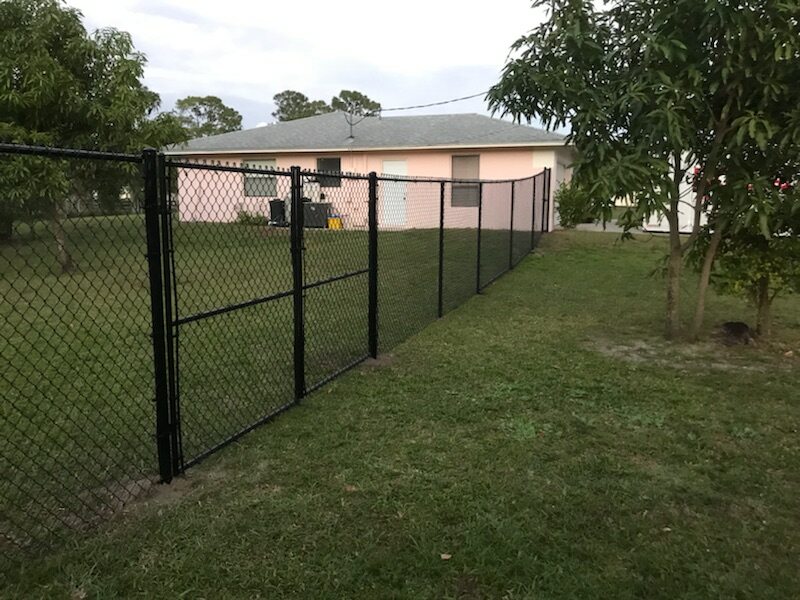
(702, 286)
(675, 260)
(764, 306)
(674, 267)
(62, 251)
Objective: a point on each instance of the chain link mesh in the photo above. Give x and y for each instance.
(77, 366)
(234, 317)
(257, 310)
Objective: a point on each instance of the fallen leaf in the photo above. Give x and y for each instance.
(666, 529)
(789, 353)
(350, 488)
(446, 556)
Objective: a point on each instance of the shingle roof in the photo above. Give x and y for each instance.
(331, 132)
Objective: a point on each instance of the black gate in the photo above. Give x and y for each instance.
(238, 355)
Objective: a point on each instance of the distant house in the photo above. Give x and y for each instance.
(463, 146)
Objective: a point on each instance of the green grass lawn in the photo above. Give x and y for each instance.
(77, 422)
(539, 442)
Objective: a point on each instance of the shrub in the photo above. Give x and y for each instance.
(244, 217)
(574, 205)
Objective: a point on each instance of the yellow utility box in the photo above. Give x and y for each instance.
(334, 222)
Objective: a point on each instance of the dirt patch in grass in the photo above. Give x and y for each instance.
(383, 360)
(162, 494)
(711, 355)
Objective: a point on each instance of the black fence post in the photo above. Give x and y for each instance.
(165, 203)
(511, 231)
(533, 215)
(296, 233)
(152, 209)
(440, 310)
(546, 201)
(480, 212)
(373, 265)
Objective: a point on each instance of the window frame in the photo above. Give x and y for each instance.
(269, 181)
(329, 181)
(465, 195)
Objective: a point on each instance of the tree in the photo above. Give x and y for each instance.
(60, 86)
(206, 115)
(758, 257)
(355, 103)
(291, 105)
(759, 269)
(648, 98)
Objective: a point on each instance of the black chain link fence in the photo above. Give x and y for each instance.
(154, 310)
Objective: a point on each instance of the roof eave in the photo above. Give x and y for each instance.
(543, 144)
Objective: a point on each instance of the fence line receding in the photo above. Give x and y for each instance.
(155, 310)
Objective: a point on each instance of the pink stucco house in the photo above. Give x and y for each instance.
(463, 146)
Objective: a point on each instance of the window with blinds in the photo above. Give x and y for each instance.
(465, 194)
(257, 184)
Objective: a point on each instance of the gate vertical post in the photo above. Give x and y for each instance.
(372, 313)
(480, 214)
(511, 231)
(152, 217)
(296, 233)
(533, 215)
(546, 201)
(440, 310)
(165, 204)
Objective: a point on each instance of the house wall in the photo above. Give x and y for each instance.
(206, 195)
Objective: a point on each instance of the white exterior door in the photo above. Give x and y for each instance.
(393, 205)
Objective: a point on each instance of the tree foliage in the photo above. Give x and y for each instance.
(61, 86)
(653, 88)
(202, 116)
(355, 103)
(291, 105)
(758, 257)
(758, 269)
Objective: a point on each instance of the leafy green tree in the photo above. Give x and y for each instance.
(355, 103)
(756, 237)
(653, 88)
(60, 86)
(206, 115)
(291, 105)
(758, 269)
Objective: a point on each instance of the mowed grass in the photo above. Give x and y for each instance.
(78, 419)
(539, 442)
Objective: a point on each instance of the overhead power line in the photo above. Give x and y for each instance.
(383, 110)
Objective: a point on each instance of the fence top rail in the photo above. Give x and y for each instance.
(411, 179)
(47, 151)
(227, 168)
(337, 174)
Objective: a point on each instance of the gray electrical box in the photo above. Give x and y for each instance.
(315, 214)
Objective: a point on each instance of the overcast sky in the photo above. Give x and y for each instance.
(245, 51)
